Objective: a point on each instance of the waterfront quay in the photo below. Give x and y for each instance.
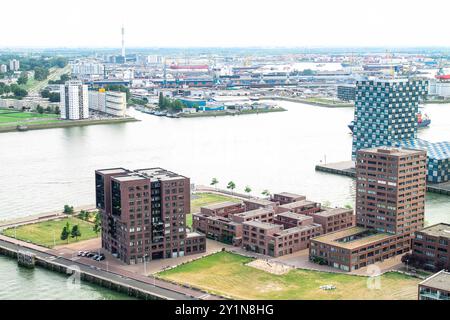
(347, 168)
(126, 282)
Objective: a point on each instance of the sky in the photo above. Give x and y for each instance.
(225, 23)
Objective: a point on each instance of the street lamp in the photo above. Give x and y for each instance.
(145, 264)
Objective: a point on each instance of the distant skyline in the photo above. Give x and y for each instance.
(231, 23)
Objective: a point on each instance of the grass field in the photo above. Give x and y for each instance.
(225, 273)
(12, 117)
(204, 199)
(42, 233)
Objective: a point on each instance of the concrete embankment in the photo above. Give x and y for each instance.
(79, 271)
(304, 101)
(66, 124)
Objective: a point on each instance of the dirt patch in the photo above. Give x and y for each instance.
(270, 266)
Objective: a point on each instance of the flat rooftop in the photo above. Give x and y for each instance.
(335, 238)
(129, 177)
(253, 213)
(160, 174)
(192, 234)
(113, 171)
(440, 280)
(392, 151)
(298, 204)
(263, 202)
(220, 205)
(290, 195)
(296, 229)
(328, 212)
(438, 230)
(262, 225)
(293, 215)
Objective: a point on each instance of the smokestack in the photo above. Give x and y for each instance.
(123, 41)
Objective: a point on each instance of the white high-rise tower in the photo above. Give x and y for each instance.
(123, 41)
(74, 103)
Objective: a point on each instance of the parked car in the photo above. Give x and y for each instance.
(90, 254)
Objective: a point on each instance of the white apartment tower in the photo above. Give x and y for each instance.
(74, 103)
(14, 65)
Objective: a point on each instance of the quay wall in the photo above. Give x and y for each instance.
(85, 276)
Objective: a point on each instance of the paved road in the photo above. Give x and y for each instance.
(158, 288)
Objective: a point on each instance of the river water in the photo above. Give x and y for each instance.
(42, 170)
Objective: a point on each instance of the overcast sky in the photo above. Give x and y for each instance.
(224, 23)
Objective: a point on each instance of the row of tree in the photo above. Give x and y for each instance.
(15, 89)
(86, 216)
(69, 232)
(52, 96)
(169, 104)
(231, 186)
(62, 80)
(49, 110)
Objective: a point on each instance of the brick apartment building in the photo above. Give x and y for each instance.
(301, 207)
(390, 200)
(223, 209)
(218, 228)
(431, 247)
(262, 214)
(253, 204)
(334, 219)
(436, 287)
(144, 214)
(273, 240)
(280, 231)
(286, 197)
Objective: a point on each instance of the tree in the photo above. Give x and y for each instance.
(39, 109)
(75, 233)
(214, 182)
(68, 209)
(97, 223)
(65, 232)
(326, 204)
(84, 215)
(348, 206)
(248, 189)
(231, 185)
(23, 79)
(266, 193)
(40, 73)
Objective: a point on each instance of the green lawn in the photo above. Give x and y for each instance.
(203, 199)
(11, 117)
(225, 273)
(43, 233)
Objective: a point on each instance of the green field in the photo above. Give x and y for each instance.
(44, 233)
(203, 199)
(9, 117)
(226, 274)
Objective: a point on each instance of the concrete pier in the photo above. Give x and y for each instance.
(347, 168)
